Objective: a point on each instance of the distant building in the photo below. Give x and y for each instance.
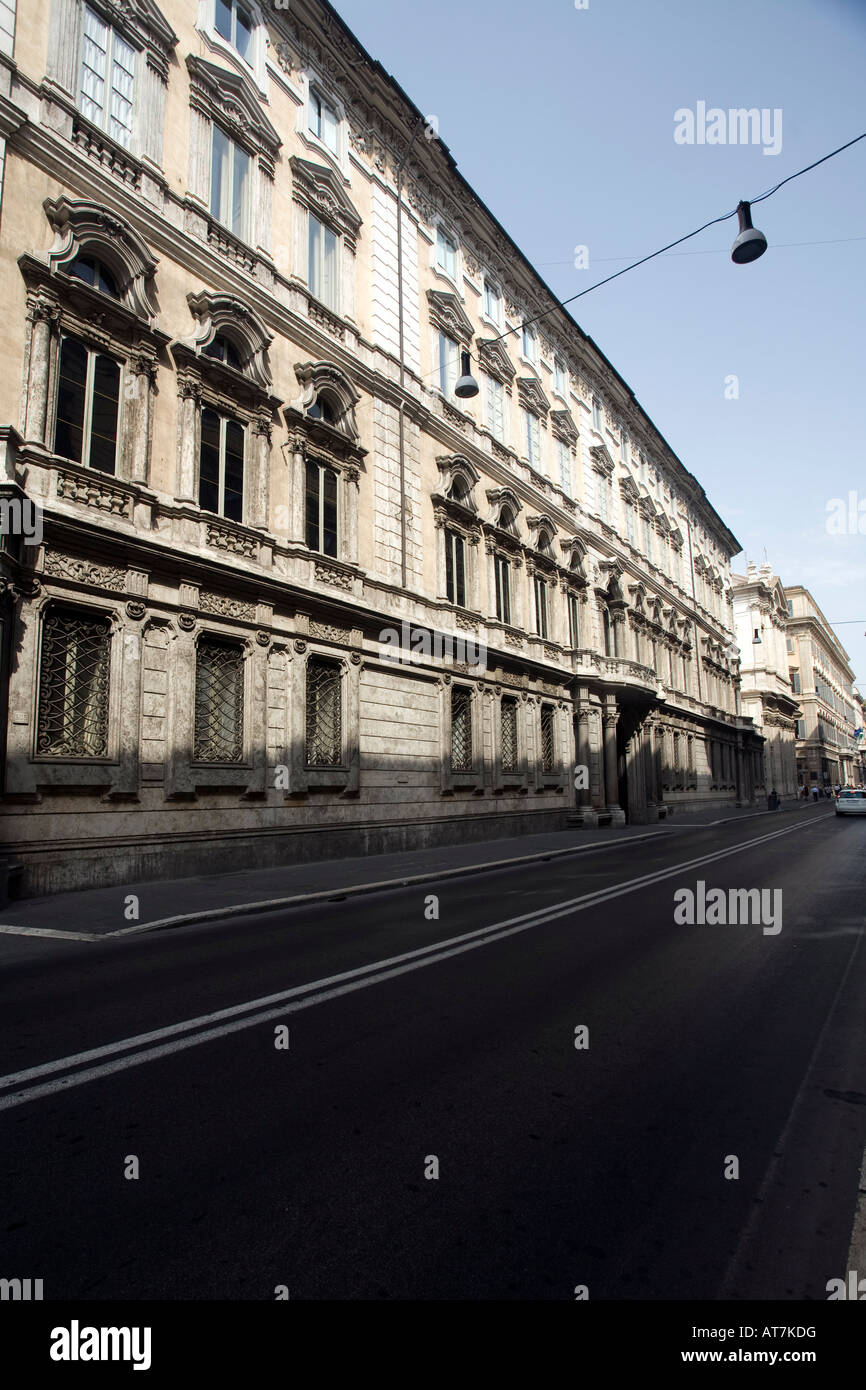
(823, 682)
(766, 687)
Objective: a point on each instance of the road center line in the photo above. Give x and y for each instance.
(256, 1011)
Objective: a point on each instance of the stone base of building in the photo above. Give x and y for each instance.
(36, 870)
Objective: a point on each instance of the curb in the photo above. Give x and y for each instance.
(330, 894)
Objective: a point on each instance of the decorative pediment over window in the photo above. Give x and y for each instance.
(532, 397)
(543, 530)
(222, 317)
(601, 459)
(647, 507)
(629, 489)
(87, 229)
(495, 360)
(319, 189)
(446, 314)
(505, 506)
(575, 553)
(564, 427)
(677, 538)
(638, 597)
(329, 396)
(458, 478)
(663, 523)
(231, 100)
(655, 608)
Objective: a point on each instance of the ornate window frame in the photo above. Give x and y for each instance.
(460, 515)
(243, 393)
(319, 191)
(206, 26)
(230, 100)
(59, 304)
(143, 26)
(337, 447)
(461, 779)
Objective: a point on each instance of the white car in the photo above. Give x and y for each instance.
(850, 802)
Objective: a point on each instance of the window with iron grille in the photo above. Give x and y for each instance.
(321, 508)
(74, 685)
(219, 702)
(540, 607)
(324, 714)
(548, 750)
(455, 567)
(502, 573)
(461, 729)
(509, 734)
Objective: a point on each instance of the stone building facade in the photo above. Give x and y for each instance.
(766, 680)
(824, 686)
(289, 594)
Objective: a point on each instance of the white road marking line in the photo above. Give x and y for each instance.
(47, 931)
(248, 1015)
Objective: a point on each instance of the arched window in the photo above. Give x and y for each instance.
(322, 409)
(92, 271)
(222, 349)
(506, 519)
(544, 546)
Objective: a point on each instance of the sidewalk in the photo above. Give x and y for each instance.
(98, 912)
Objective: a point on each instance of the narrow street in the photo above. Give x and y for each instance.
(559, 1165)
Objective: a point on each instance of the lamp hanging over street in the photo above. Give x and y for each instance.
(750, 243)
(467, 385)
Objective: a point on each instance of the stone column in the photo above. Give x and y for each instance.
(189, 405)
(179, 782)
(125, 784)
(611, 777)
(294, 450)
(139, 415)
(260, 459)
(43, 313)
(351, 490)
(257, 656)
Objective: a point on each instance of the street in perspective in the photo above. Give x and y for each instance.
(432, 656)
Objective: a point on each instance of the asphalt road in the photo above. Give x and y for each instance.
(558, 1166)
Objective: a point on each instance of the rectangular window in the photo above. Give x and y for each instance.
(502, 573)
(230, 184)
(574, 621)
(623, 448)
(492, 302)
(548, 745)
(446, 253)
(789, 644)
(647, 539)
(323, 121)
(323, 263)
(107, 78)
(801, 728)
(564, 462)
(790, 608)
(461, 729)
(455, 567)
(560, 378)
(324, 714)
(219, 702)
(448, 361)
(596, 414)
(74, 685)
(530, 344)
(540, 607)
(233, 22)
(509, 750)
(629, 524)
(221, 465)
(321, 509)
(496, 408)
(533, 438)
(88, 403)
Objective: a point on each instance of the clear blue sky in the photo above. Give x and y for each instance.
(563, 121)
